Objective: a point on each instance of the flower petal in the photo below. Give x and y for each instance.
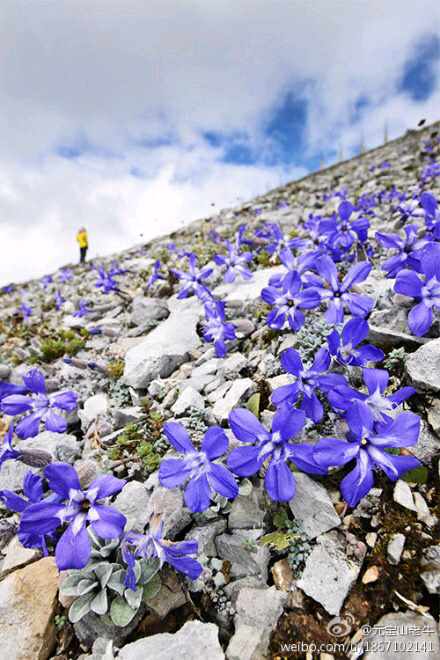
(73, 550)
(279, 482)
(106, 521)
(61, 477)
(172, 472)
(214, 442)
(222, 481)
(197, 494)
(178, 437)
(245, 426)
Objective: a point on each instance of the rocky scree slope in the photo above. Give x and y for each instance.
(318, 567)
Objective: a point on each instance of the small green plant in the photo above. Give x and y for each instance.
(99, 586)
(288, 539)
(116, 368)
(60, 621)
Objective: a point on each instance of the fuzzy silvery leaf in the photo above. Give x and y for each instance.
(151, 588)
(120, 611)
(149, 568)
(80, 607)
(99, 604)
(103, 572)
(116, 581)
(69, 586)
(87, 585)
(133, 598)
(245, 487)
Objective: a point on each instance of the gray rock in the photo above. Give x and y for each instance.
(246, 289)
(258, 611)
(91, 627)
(5, 370)
(329, 574)
(246, 512)
(244, 552)
(61, 446)
(402, 646)
(232, 365)
(11, 475)
(170, 595)
(205, 536)
(189, 398)
(96, 405)
(169, 503)
(148, 309)
(133, 501)
(195, 640)
(123, 416)
(389, 327)
(423, 367)
(236, 396)
(163, 350)
(427, 445)
(431, 569)
(395, 548)
(312, 506)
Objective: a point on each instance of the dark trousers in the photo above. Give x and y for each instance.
(82, 254)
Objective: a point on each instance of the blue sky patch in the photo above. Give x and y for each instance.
(421, 70)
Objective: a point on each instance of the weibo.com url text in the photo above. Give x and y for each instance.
(392, 646)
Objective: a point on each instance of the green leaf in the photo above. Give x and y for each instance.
(103, 572)
(69, 586)
(99, 604)
(133, 598)
(418, 474)
(116, 581)
(245, 487)
(80, 607)
(87, 584)
(149, 568)
(254, 404)
(151, 588)
(279, 540)
(120, 611)
(279, 517)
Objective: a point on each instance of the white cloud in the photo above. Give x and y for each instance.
(123, 71)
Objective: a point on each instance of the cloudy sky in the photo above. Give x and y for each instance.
(132, 117)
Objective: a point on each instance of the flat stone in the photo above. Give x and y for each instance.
(205, 536)
(395, 548)
(17, 556)
(61, 446)
(257, 613)
(169, 503)
(11, 475)
(431, 569)
(427, 445)
(170, 595)
(312, 506)
(423, 367)
(96, 405)
(148, 309)
(244, 552)
(132, 501)
(402, 646)
(163, 350)
(246, 512)
(195, 640)
(434, 416)
(236, 396)
(27, 606)
(232, 365)
(329, 574)
(189, 398)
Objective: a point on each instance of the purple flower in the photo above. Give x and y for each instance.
(6, 450)
(197, 466)
(287, 301)
(306, 381)
(409, 249)
(65, 274)
(23, 309)
(432, 213)
(152, 545)
(45, 280)
(76, 509)
(155, 275)
(357, 304)
(367, 446)
(106, 281)
(82, 309)
(411, 209)
(41, 406)
(58, 299)
(216, 329)
(376, 381)
(234, 263)
(9, 388)
(344, 347)
(274, 447)
(426, 294)
(341, 233)
(193, 278)
(94, 331)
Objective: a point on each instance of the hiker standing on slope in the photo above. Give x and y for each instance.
(81, 237)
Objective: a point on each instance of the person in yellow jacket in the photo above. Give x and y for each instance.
(81, 237)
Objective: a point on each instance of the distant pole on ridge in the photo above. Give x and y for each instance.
(385, 132)
(361, 144)
(340, 156)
